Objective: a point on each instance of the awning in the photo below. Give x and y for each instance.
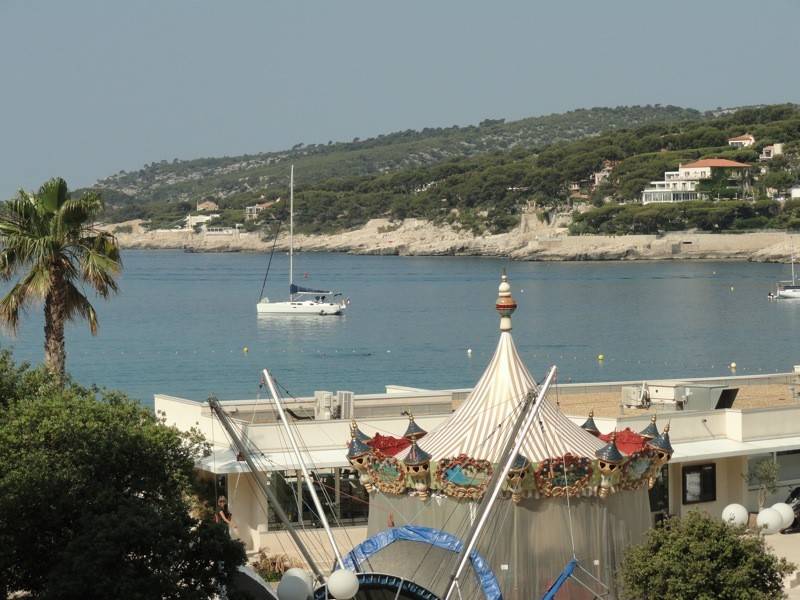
(724, 448)
(223, 461)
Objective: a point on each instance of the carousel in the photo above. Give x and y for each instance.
(570, 501)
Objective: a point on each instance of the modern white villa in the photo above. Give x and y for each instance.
(681, 185)
(714, 447)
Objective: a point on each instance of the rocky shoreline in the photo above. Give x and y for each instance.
(531, 240)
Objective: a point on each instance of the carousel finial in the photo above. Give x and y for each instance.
(505, 303)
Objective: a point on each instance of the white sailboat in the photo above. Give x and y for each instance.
(302, 300)
(789, 289)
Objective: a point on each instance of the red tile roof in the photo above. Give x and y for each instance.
(715, 162)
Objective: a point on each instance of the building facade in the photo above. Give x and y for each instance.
(742, 141)
(682, 185)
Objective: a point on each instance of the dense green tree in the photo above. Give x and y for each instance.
(701, 558)
(94, 502)
(52, 239)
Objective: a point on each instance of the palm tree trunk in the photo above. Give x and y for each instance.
(54, 318)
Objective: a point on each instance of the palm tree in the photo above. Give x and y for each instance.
(52, 237)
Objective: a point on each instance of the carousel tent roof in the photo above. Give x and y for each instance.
(480, 427)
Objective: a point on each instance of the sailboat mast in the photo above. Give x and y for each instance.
(291, 232)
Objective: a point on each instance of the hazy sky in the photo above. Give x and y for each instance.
(89, 88)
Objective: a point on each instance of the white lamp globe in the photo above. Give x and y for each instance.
(294, 586)
(787, 513)
(302, 574)
(735, 514)
(342, 584)
(769, 521)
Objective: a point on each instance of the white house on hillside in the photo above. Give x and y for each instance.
(251, 212)
(681, 185)
(191, 220)
(742, 141)
(770, 152)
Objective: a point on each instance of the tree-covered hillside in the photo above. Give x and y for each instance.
(253, 175)
(488, 192)
(486, 189)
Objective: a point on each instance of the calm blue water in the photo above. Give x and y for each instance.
(181, 321)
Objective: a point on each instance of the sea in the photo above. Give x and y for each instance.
(185, 324)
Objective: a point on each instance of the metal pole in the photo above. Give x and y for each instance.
(517, 437)
(306, 475)
(216, 408)
(291, 233)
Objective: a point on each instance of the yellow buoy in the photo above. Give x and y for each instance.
(733, 366)
(601, 357)
(245, 350)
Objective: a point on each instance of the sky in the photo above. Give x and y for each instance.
(88, 88)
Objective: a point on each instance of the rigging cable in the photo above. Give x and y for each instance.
(271, 254)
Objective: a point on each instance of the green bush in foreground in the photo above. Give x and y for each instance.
(701, 558)
(95, 498)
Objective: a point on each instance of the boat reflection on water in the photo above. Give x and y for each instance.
(296, 326)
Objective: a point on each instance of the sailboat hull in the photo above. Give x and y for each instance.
(792, 292)
(306, 307)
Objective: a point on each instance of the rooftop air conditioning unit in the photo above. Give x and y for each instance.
(323, 402)
(345, 403)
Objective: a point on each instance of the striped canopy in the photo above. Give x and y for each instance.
(481, 426)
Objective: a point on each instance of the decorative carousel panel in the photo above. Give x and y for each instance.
(564, 475)
(636, 469)
(463, 477)
(388, 474)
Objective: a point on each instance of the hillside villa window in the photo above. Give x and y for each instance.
(699, 483)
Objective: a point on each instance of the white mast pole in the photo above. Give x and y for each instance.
(306, 476)
(291, 232)
(519, 433)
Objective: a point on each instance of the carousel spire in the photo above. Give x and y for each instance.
(505, 304)
(356, 433)
(651, 431)
(589, 424)
(413, 431)
(662, 442)
(357, 448)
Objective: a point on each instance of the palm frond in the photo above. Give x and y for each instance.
(75, 212)
(100, 262)
(53, 194)
(34, 286)
(78, 305)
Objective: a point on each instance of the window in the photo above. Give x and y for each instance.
(699, 483)
(789, 465)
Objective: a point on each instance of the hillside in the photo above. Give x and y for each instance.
(240, 179)
(489, 192)
(493, 183)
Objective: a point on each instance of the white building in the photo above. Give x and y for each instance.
(191, 220)
(681, 185)
(795, 192)
(251, 212)
(714, 449)
(742, 141)
(770, 152)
